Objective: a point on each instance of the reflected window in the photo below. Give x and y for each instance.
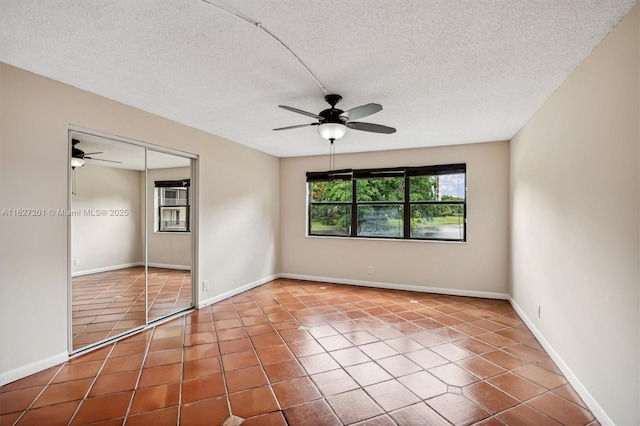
(172, 204)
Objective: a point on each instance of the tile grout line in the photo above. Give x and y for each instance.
(255, 351)
(119, 284)
(95, 378)
(135, 388)
(323, 397)
(224, 376)
(39, 395)
(119, 290)
(184, 336)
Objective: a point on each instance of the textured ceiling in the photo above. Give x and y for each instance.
(446, 72)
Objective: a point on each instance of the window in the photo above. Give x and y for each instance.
(330, 207)
(172, 203)
(422, 203)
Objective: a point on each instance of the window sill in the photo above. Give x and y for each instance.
(172, 232)
(402, 240)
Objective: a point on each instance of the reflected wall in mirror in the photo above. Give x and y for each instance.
(130, 237)
(168, 234)
(107, 239)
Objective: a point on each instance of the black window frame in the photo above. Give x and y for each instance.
(404, 172)
(173, 184)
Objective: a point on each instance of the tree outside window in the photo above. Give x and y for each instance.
(426, 203)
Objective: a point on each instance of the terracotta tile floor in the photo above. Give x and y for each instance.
(301, 353)
(109, 303)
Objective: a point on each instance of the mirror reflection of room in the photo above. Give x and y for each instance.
(112, 240)
(107, 244)
(168, 234)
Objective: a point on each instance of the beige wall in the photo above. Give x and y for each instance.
(238, 207)
(477, 267)
(165, 248)
(118, 241)
(103, 242)
(575, 233)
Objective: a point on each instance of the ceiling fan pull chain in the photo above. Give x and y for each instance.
(332, 155)
(73, 181)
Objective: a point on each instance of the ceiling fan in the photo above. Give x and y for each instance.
(333, 122)
(78, 156)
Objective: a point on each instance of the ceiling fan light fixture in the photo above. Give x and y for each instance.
(332, 131)
(77, 162)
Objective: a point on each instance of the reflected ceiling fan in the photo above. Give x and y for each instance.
(78, 156)
(333, 122)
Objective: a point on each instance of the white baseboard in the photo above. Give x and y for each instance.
(130, 265)
(395, 286)
(34, 367)
(233, 292)
(168, 266)
(106, 269)
(586, 396)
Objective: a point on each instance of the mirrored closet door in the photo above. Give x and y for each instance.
(130, 222)
(168, 234)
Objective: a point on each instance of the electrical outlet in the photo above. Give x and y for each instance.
(76, 262)
(371, 269)
(539, 311)
(205, 285)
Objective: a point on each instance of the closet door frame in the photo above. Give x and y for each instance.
(193, 158)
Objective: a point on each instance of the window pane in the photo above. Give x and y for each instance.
(439, 187)
(331, 191)
(383, 189)
(443, 221)
(330, 219)
(173, 196)
(423, 188)
(380, 221)
(173, 219)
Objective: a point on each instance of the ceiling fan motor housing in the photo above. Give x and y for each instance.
(333, 114)
(77, 153)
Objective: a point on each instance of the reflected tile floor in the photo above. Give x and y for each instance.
(302, 353)
(106, 304)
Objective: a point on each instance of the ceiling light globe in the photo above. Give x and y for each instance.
(332, 130)
(77, 162)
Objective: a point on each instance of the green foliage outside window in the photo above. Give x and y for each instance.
(383, 189)
(331, 219)
(423, 188)
(338, 191)
(380, 207)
